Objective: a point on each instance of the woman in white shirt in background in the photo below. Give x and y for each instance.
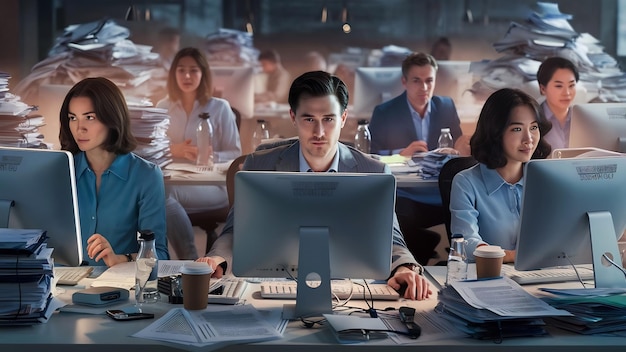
(190, 94)
(557, 82)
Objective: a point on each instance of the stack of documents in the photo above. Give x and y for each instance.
(547, 33)
(149, 126)
(18, 124)
(26, 269)
(432, 162)
(229, 47)
(97, 49)
(593, 312)
(494, 309)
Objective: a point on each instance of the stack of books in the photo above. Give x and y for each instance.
(18, 123)
(26, 270)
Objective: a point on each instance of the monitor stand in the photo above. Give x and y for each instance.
(604, 241)
(313, 268)
(5, 212)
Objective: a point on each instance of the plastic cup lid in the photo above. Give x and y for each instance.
(196, 268)
(489, 252)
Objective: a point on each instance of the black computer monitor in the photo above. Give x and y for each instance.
(42, 185)
(599, 125)
(235, 84)
(373, 86)
(573, 212)
(337, 225)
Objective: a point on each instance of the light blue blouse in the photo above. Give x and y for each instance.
(558, 136)
(485, 208)
(131, 198)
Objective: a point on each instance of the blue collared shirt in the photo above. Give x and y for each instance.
(558, 137)
(304, 166)
(485, 208)
(131, 198)
(422, 123)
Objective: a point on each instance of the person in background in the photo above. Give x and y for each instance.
(190, 95)
(314, 61)
(441, 49)
(408, 124)
(278, 78)
(168, 45)
(485, 199)
(119, 193)
(318, 103)
(557, 79)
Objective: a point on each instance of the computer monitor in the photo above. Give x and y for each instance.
(600, 125)
(337, 225)
(373, 86)
(42, 187)
(573, 212)
(235, 84)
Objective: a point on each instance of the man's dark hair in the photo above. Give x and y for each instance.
(317, 84)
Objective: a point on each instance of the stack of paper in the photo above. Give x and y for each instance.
(26, 269)
(18, 124)
(99, 48)
(432, 162)
(149, 126)
(494, 309)
(592, 313)
(229, 47)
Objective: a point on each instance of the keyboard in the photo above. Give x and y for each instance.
(342, 289)
(226, 290)
(71, 275)
(549, 275)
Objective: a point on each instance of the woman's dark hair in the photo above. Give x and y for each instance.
(495, 116)
(550, 65)
(205, 89)
(317, 84)
(111, 110)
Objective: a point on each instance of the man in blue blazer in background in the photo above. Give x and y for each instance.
(411, 123)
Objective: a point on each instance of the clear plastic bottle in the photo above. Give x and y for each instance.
(261, 132)
(457, 260)
(146, 275)
(204, 142)
(362, 139)
(445, 139)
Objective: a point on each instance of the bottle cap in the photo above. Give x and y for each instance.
(445, 130)
(146, 235)
(457, 235)
(362, 122)
(260, 121)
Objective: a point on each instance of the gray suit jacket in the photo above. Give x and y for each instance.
(286, 158)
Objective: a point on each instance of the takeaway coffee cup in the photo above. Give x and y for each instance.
(488, 261)
(196, 278)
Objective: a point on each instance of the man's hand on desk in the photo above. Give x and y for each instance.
(416, 286)
(214, 263)
(184, 150)
(414, 147)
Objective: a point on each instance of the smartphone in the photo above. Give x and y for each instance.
(120, 315)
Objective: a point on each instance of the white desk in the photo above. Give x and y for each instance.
(78, 332)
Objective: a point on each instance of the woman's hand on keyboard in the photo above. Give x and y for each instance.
(415, 286)
(214, 263)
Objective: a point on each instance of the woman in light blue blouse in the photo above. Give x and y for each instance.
(190, 94)
(119, 193)
(485, 199)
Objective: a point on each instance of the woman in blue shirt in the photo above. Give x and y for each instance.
(485, 199)
(190, 94)
(119, 193)
(557, 79)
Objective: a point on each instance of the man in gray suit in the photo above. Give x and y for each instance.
(318, 104)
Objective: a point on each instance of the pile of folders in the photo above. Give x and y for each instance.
(26, 270)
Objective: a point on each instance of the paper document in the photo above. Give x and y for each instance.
(504, 297)
(212, 325)
(123, 275)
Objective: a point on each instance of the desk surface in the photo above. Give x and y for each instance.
(78, 332)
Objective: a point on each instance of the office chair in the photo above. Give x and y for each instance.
(446, 174)
(234, 167)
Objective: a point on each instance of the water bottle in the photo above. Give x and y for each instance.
(445, 139)
(204, 142)
(146, 275)
(261, 132)
(457, 260)
(362, 138)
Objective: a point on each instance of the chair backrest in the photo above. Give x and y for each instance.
(446, 174)
(234, 167)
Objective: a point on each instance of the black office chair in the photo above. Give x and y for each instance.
(446, 174)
